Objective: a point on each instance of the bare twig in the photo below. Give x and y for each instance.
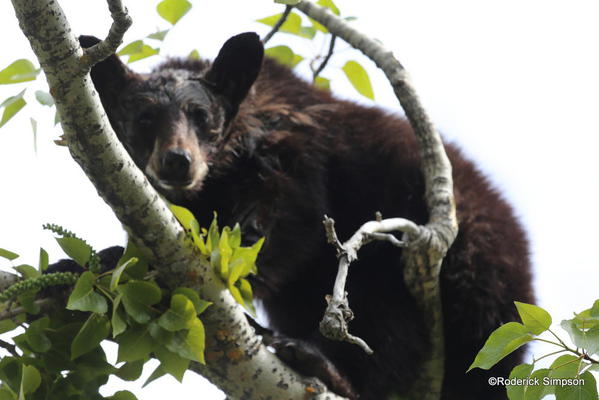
(338, 313)
(278, 25)
(317, 71)
(421, 260)
(121, 21)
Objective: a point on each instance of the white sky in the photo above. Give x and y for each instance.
(515, 83)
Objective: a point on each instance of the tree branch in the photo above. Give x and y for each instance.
(278, 25)
(236, 360)
(121, 21)
(317, 71)
(422, 259)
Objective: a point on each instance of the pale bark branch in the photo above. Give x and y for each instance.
(7, 279)
(422, 259)
(236, 360)
(121, 21)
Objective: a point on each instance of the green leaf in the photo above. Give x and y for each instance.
(284, 55)
(534, 391)
(180, 315)
(585, 391)
(160, 35)
(30, 380)
(322, 83)
(247, 295)
(34, 130)
(199, 304)
(307, 32)
(146, 51)
(359, 79)
(172, 363)
(194, 55)
(122, 395)
(500, 343)
(12, 106)
(137, 270)
(565, 366)
(84, 298)
(235, 237)
(118, 320)
(6, 393)
(288, 2)
(131, 371)
(183, 215)
(293, 23)
(157, 373)
(44, 98)
(138, 297)
(225, 253)
(131, 48)
(36, 335)
(516, 392)
(7, 325)
(27, 271)
(330, 5)
(93, 331)
(137, 50)
(43, 263)
(116, 275)
(135, 344)
(27, 300)
(213, 235)
(583, 331)
(19, 71)
(536, 319)
(76, 248)
(189, 344)
(9, 255)
(173, 10)
(594, 311)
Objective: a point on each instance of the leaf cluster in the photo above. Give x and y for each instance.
(569, 375)
(294, 25)
(59, 355)
(231, 261)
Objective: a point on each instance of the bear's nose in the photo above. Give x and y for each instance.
(175, 165)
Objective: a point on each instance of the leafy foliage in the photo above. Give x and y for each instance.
(59, 355)
(294, 24)
(569, 375)
(232, 262)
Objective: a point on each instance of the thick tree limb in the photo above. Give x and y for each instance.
(236, 360)
(422, 258)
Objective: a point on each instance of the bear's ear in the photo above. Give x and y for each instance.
(109, 76)
(236, 67)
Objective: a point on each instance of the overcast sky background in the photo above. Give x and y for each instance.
(514, 83)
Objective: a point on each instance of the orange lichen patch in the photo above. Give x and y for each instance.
(235, 354)
(222, 335)
(212, 356)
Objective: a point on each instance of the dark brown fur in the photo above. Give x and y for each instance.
(292, 153)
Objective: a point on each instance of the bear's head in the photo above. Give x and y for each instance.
(174, 121)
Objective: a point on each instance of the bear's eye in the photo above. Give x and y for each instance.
(146, 118)
(199, 115)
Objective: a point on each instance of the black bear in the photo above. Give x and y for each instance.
(246, 138)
